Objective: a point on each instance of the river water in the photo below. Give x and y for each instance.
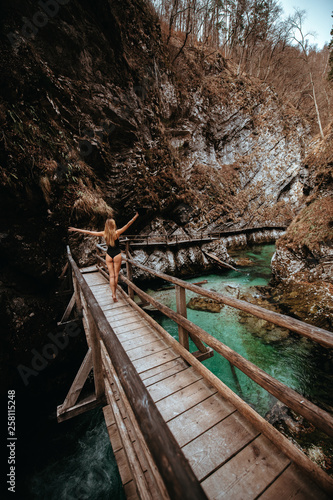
(84, 467)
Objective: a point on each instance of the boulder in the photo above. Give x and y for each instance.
(204, 304)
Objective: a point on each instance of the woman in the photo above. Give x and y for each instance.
(113, 254)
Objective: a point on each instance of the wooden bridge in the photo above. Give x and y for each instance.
(177, 431)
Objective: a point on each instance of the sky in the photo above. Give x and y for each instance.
(318, 17)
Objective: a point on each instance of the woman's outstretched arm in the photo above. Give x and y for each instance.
(123, 229)
(85, 231)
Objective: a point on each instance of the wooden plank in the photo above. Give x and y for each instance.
(114, 438)
(217, 445)
(123, 467)
(163, 371)
(101, 290)
(143, 364)
(146, 350)
(133, 334)
(114, 308)
(180, 401)
(133, 326)
(122, 314)
(124, 321)
(108, 416)
(89, 269)
(106, 299)
(95, 279)
(248, 473)
(139, 341)
(200, 418)
(133, 462)
(130, 491)
(174, 383)
(294, 485)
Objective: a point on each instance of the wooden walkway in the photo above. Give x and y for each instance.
(200, 237)
(229, 456)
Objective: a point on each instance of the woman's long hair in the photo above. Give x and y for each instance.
(110, 234)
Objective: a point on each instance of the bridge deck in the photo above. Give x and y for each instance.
(231, 459)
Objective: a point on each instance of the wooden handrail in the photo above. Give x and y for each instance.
(319, 335)
(179, 479)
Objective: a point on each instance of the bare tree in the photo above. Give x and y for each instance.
(303, 42)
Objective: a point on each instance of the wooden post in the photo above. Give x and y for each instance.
(181, 309)
(96, 356)
(129, 270)
(77, 296)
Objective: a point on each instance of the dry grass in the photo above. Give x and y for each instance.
(91, 203)
(312, 226)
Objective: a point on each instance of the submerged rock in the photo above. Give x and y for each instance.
(258, 327)
(245, 262)
(204, 304)
(316, 445)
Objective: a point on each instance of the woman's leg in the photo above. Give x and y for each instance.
(110, 264)
(117, 265)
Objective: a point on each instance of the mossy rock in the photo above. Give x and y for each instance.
(203, 304)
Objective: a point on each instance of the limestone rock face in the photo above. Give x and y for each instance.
(303, 262)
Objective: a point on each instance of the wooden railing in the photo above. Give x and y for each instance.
(317, 416)
(111, 364)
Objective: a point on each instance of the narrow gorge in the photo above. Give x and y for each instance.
(105, 111)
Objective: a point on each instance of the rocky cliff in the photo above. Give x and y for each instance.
(303, 262)
(95, 119)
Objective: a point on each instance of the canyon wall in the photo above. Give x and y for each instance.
(96, 120)
(303, 263)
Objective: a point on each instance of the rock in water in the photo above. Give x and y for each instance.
(245, 262)
(203, 304)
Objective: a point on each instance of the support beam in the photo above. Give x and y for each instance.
(129, 271)
(69, 309)
(89, 403)
(96, 355)
(77, 385)
(181, 309)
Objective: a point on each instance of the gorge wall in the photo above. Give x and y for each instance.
(303, 263)
(97, 120)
